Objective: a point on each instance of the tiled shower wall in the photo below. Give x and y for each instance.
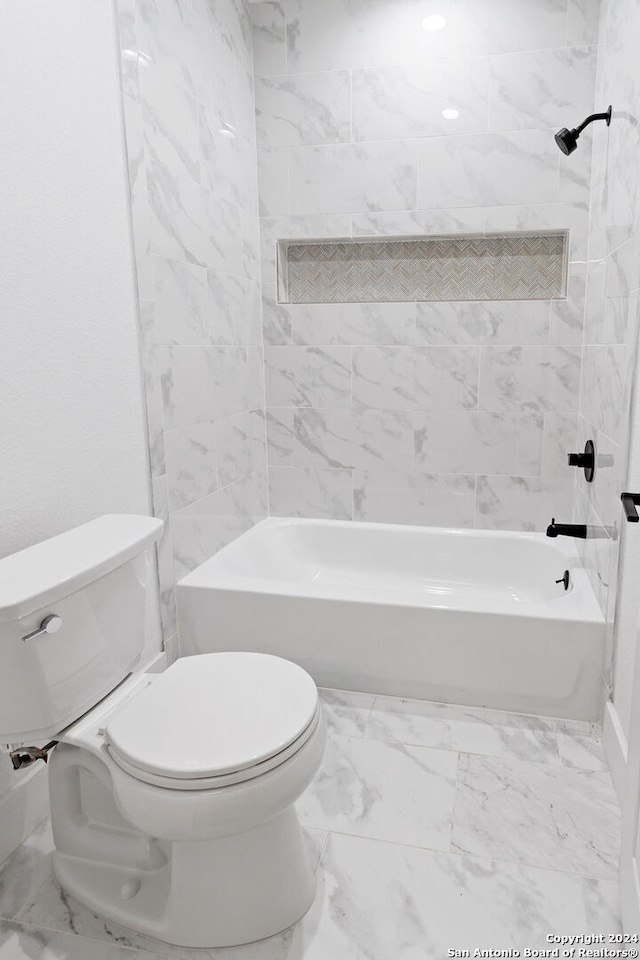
(187, 79)
(435, 413)
(611, 333)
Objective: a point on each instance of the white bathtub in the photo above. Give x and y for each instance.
(458, 616)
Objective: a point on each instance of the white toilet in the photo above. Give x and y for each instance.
(171, 793)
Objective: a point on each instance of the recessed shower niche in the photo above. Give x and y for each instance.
(531, 266)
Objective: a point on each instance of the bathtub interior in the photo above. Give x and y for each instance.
(435, 564)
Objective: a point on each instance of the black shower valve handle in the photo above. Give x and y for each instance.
(630, 501)
(586, 460)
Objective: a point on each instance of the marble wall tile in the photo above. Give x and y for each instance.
(170, 117)
(540, 89)
(560, 439)
(605, 389)
(234, 305)
(530, 378)
(522, 503)
(164, 558)
(308, 376)
(228, 161)
(305, 492)
(583, 17)
(418, 222)
(276, 317)
(343, 34)
(389, 496)
(188, 223)
(408, 101)
(154, 408)
(340, 323)
(349, 178)
(240, 441)
(182, 303)
(352, 438)
(187, 393)
(191, 463)
(204, 527)
(574, 179)
(307, 109)
(139, 197)
(397, 378)
(299, 227)
(273, 182)
(269, 38)
(128, 45)
(483, 322)
(573, 217)
(567, 316)
(281, 439)
(488, 169)
(474, 442)
(603, 494)
(165, 36)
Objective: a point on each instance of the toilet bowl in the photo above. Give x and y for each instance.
(172, 794)
(189, 834)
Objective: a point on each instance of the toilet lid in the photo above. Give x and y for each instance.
(213, 714)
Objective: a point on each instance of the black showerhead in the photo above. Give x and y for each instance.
(567, 140)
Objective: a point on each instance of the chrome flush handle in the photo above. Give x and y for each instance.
(50, 624)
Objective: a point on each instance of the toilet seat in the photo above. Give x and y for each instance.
(213, 720)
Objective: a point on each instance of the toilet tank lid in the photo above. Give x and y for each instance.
(39, 575)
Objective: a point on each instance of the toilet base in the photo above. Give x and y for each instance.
(207, 893)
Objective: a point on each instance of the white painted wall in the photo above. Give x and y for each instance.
(72, 428)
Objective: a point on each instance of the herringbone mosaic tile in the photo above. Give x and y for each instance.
(523, 267)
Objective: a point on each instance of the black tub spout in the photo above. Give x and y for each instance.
(578, 530)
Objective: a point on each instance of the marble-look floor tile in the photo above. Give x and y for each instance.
(382, 900)
(540, 815)
(25, 942)
(583, 751)
(382, 790)
(346, 712)
(52, 909)
(466, 729)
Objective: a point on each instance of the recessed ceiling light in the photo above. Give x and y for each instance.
(434, 22)
(450, 114)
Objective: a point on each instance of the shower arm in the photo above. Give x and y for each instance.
(594, 116)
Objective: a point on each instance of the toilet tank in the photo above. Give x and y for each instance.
(94, 578)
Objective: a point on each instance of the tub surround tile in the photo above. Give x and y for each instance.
(422, 378)
(418, 222)
(352, 41)
(488, 169)
(305, 492)
(538, 89)
(485, 443)
(308, 376)
(559, 439)
(343, 323)
(191, 463)
(552, 817)
(352, 438)
(269, 38)
(389, 496)
(311, 108)
(384, 791)
(182, 303)
(533, 378)
(483, 322)
(521, 503)
(353, 177)
(273, 182)
(170, 118)
(408, 101)
(208, 524)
